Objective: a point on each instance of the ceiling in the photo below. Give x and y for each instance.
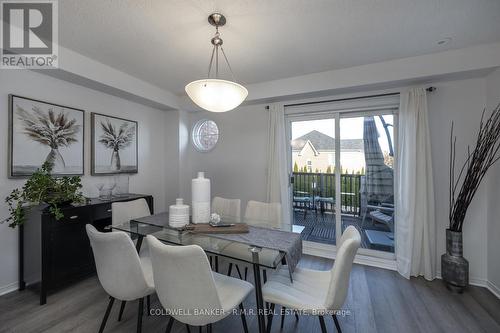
(167, 42)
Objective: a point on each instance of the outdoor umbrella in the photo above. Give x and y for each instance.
(379, 178)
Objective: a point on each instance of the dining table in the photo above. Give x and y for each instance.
(261, 247)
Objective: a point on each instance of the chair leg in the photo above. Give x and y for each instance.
(106, 314)
(122, 307)
(283, 311)
(216, 264)
(209, 328)
(139, 315)
(246, 273)
(199, 329)
(337, 324)
(230, 269)
(270, 318)
(238, 270)
(243, 318)
(322, 323)
(148, 298)
(169, 326)
(187, 327)
(264, 273)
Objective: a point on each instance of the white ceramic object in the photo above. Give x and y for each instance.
(178, 214)
(215, 218)
(200, 190)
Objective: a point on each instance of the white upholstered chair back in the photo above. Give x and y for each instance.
(263, 214)
(118, 265)
(228, 209)
(184, 281)
(341, 270)
(128, 210)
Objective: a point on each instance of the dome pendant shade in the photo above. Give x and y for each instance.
(216, 95)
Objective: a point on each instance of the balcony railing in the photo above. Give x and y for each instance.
(317, 191)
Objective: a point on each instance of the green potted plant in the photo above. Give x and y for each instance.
(463, 187)
(43, 188)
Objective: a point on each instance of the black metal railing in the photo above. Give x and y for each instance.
(317, 191)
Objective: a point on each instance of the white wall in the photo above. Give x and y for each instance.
(158, 167)
(492, 100)
(462, 102)
(237, 166)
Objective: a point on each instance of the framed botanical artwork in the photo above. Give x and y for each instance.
(42, 132)
(114, 145)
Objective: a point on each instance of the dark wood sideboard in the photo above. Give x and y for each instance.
(52, 253)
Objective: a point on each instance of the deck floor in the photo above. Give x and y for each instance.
(320, 227)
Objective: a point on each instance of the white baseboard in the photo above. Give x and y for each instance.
(9, 288)
(495, 290)
(330, 252)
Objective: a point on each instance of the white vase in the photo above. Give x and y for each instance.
(200, 191)
(178, 214)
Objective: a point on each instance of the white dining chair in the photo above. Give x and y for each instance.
(189, 290)
(122, 273)
(228, 209)
(122, 212)
(315, 292)
(258, 214)
(263, 214)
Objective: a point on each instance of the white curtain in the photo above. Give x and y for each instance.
(278, 169)
(415, 220)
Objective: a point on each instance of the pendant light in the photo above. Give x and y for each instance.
(214, 94)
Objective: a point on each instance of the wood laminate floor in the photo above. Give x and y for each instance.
(378, 301)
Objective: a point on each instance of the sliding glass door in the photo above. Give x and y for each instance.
(343, 175)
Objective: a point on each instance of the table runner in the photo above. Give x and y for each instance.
(286, 241)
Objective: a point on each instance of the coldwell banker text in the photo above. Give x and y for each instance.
(29, 36)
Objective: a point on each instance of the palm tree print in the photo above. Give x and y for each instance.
(50, 129)
(116, 140)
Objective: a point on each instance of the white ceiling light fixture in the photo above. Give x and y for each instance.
(214, 94)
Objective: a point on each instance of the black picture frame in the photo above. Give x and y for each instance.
(12, 173)
(94, 167)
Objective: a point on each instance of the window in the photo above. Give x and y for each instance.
(361, 144)
(309, 166)
(205, 135)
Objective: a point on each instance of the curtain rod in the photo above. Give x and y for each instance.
(429, 89)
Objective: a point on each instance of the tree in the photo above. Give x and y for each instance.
(329, 169)
(295, 167)
(116, 139)
(52, 130)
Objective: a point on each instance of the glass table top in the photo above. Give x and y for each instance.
(157, 225)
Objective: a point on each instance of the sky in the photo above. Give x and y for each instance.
(350, 128)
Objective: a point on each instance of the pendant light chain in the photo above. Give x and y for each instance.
(214, 94)
(211, 61)
(215, 52)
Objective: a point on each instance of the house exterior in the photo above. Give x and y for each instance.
(315, 152)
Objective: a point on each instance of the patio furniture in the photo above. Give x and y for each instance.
(380, 240)
(387, 220)
(384, 208)
(325, 203)
(302, 200)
